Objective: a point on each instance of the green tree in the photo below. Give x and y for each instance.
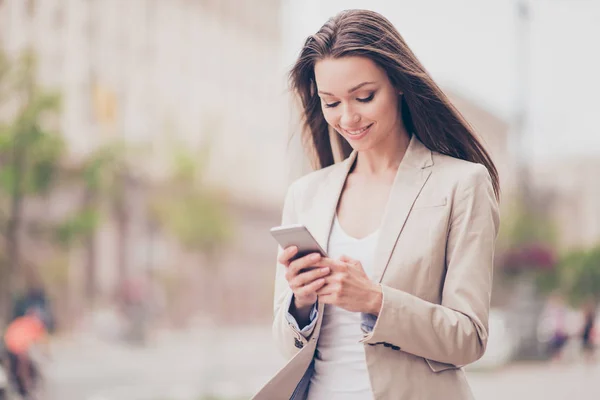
(30, 152)
(100, 176)
(34, 165)
(579, 276)
(521, 228)
(526, 263)
(194, 213)
(186, 207)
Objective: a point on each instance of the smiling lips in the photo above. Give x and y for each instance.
(356, 134)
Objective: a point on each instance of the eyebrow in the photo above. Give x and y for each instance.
(351, 89)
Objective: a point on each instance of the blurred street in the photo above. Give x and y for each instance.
(240, 360)
(174, 366)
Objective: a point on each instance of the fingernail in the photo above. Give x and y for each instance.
(315, 257)
(326, 269)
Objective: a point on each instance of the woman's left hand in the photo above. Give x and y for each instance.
(349, 287)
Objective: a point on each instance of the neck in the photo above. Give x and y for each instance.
(385, 157)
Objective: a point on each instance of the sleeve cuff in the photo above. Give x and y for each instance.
(307, 330)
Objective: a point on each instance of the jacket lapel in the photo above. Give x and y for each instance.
(326, 201)
(323, 211)
(413, 172)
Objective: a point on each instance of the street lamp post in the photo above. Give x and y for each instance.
(521, 148)
(526, 301)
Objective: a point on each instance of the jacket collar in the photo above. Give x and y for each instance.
(411, 176)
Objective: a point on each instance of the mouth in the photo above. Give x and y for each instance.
(358, 133)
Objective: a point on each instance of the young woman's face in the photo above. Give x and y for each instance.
(358, 100)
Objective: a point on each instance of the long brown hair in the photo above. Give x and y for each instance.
(426, 110)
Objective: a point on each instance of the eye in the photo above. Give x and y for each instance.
(366, 99)
(332, 105)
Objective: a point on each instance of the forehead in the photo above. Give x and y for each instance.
(338, 75)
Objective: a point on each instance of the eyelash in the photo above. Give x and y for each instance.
(365, 100)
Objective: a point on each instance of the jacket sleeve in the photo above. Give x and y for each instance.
(306, 331)
(455, 331)
(289, 338)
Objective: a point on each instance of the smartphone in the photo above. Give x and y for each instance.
(299, 236)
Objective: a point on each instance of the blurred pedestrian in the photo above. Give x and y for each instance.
(554, 323)
(34, 297)
(588, 331)
(133, 299)
(21, 337)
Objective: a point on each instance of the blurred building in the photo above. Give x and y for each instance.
(148, 71)
(143, 70)
(494, 134)
(154, 72)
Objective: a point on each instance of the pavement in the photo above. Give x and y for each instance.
(232, 363)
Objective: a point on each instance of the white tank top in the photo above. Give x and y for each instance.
(340, 366)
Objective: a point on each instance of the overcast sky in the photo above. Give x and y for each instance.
(470, 46)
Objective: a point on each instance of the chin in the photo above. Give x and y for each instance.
(361, 146)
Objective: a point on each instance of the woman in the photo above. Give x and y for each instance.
(409, 220)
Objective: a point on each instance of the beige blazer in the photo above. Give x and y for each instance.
(434, 263)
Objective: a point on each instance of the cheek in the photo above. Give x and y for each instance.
(331, 116)
(376, 111)
(385, 111)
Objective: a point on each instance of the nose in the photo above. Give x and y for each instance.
(349, 117)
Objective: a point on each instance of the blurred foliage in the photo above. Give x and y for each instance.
(36, 169)
(536, 257)
(33, 165)
(527, 242)
(30, 153)
(577, 276)
(520, 228)
(76, 226)
(196, 218)
(101, 168)
(528, 247)
(188, 208)
(548, 281)
(98, 175)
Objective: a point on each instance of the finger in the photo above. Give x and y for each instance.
(311, 287)
(335, 265)
(339, 266)
(307, 261)
(327, 289)
(352, 263)
(286, 254)
(345, 258)
(307, 277)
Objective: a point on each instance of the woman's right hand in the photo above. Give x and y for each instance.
(302, 279)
